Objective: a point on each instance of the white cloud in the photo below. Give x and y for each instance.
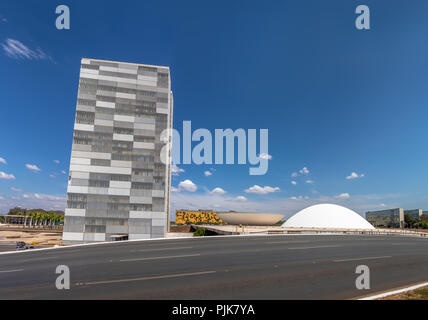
(17, 50)
(33, 167)
(354, 175)
(261, 190)
(175, 170)
(207, 173)
(16, 189)
(6, 176)
(241, 198)
(304, 170)
(56, 161)
(265, 156)
(309, 181)
(299, 198)
(34, 200)
(174, 189)
(343, 196)
(283, 205)
(52, 175)
(187, 185)
(293, 183)
(218, 191)
(63, 172)
(2, 160)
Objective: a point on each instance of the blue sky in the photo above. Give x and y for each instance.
(336, 100)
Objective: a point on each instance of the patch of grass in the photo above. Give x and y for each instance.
(422, 292)
(418, 294)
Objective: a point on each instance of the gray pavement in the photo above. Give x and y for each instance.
(256, 267)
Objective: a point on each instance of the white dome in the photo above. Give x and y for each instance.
(327, 216)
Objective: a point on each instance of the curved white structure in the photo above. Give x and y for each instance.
(250, 218)
(330, 216)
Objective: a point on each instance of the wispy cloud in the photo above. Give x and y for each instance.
(15, 49)
(218, 191)
(265, 156)
(343, 196)
(56, 161)
(34, 200)
(6, 176)
(16, 189)
(208, 173)
(175, 170)
(2, 160)
(354, 175)
(261, 190)
(303, 171)
(33, 167)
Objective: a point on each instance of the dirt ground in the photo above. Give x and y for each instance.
(43, 238)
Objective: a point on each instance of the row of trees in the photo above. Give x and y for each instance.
(39, 217)
(413, 223)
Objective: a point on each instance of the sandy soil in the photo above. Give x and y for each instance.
(44, 238)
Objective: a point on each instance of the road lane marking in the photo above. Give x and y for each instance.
(365, 258)
(145, 278)
(38, 259)
(163, 257)
(15, 270)
(161, 249)
(273, 242)
(314, 247)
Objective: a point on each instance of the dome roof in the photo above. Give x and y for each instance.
(327, 216)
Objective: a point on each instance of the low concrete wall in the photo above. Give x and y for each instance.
(178, 235)
(236, 230)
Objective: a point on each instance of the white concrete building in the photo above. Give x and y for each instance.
(118, 186)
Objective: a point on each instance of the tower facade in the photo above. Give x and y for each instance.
(120, 174)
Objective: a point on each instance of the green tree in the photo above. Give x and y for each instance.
(200, 232)
(409, 221)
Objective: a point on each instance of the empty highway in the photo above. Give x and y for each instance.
(244, 267)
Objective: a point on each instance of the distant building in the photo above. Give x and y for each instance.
(390, 218)
(192, 217)
(415, 213)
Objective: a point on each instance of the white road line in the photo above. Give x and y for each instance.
(163, 257)
(146, 278)
(315, 247)
(161, 249)
(364, 258)
(38, 259)
(16, 270)
(389, 293)
(285, 242)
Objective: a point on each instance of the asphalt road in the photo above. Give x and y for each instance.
(256, 267)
